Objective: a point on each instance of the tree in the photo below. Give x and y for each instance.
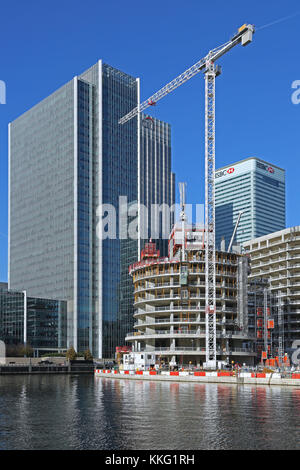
(88, 355)
(71, 354)
(19, 350)
(26, 350)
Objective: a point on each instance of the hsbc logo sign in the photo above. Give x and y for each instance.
(232, 170)
(228, 171)
(264, 167)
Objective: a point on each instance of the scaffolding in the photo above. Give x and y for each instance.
(242, 300)
(280, 329)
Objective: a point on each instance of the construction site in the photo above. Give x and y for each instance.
(169, 302)
(211, 70)
(192, 308)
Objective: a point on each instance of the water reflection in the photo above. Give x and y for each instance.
(77, 412)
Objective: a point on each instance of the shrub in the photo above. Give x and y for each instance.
(88, 355)
(71, 354)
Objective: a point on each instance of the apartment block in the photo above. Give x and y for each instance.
(276, 257)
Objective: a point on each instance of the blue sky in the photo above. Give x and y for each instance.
(44, 44)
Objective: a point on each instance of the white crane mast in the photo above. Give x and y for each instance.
(183, 218)
(207, 65)
(210, 249)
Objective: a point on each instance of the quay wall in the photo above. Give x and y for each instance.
(204, 377)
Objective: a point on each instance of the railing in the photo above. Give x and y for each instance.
(177, 273)
(166, 332)
(199, 332)
(158, 286)
(192, 349)
(174, 321)
(184, 348)
(184, 308)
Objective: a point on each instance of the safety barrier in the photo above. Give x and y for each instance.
(253, 375)
(248, 375)
(184, 373)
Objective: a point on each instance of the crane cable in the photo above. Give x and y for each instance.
(284, 18)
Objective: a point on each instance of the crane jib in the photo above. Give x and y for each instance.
(243, 36)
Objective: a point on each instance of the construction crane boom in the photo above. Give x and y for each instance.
(211, 70)
(243, 36)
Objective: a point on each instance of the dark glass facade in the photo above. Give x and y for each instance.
(157, 179)
(45, 321)
(120, 178)
(85, 209)
(11, 317)
(109, 157)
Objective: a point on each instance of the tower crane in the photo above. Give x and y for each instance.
(208, 66)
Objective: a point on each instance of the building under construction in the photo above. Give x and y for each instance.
(276, 257)
(263, 321)
(169, 301)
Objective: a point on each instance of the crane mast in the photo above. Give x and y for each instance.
(210, 251)
(211, 70)
(183, 218)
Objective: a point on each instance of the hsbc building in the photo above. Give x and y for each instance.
(257, 189)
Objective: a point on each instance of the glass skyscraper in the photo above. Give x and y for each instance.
(68, 159)
(256, 188)
(157, 179)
